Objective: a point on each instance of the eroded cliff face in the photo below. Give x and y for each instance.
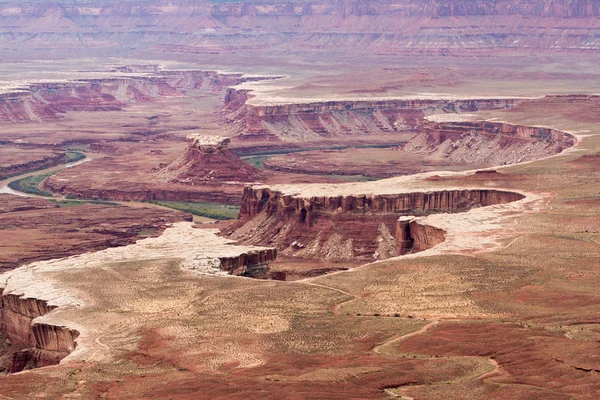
(46, 101)
(351, 227)
(335, 119)
(37, 344)
(48, 161)
(487, 143)
(254, 263)
(205, 27)
(208, 160)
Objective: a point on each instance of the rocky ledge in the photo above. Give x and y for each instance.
(29, 299)
(345, 226)
(313, 120)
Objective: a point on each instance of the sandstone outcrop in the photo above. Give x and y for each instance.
(47, 101)
(338, 118)
(207, 160)
(352, 226)
(41, 344)
(486, 142)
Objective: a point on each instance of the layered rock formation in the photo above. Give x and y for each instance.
(39, 344)
(207, 160)
(11, 166)
(209, 28)
(339, 118)
(111, 91)
(487, 143)
(347, 227)
(26, 293)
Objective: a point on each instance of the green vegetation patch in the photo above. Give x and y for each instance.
(31, 184)
(72, 156)
(208, 210)
(352, 178)
(75, 203)
(257, 162)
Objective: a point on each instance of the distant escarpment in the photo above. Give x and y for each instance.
(351, 227)
(215, 27)
(20, 167)
(32, 344)
(487, 143)
(207, 160)
(47, 101)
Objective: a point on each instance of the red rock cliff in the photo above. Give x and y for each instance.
(310, 121)
(487, 143)
(44, 344)
(349, 227)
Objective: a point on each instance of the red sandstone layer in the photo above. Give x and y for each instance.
(207, 160)
(341, 119)
(36, 229)
(349, 227)
(16, 161)
(39, 344)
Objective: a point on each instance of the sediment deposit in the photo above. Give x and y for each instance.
(28, 293)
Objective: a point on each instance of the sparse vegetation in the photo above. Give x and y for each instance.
(258, 161)
(31, 184)
(73, 156)
(74, 203)
(204, 209)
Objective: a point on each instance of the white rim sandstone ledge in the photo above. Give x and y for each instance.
(199, 250)
(398, 185)
(263, 93)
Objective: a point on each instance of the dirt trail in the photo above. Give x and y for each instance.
(378, 349)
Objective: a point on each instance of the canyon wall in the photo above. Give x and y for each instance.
(487, 143)
(48, 161)
(213, 27)
(351, 227)
(46, 101)
(225, 194)
(351, 118)
(39, 344)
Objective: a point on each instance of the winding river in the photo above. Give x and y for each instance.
(4, 189)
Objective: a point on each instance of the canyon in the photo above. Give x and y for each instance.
(46, 343)
(205, 28)
(417, 184)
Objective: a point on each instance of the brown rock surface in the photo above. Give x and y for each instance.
(487, 143)
(46, 231)
(16, 161)
(207, 160)
(32, 344)
(11, 203)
